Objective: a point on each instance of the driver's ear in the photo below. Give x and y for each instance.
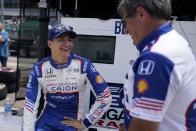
(49, 43)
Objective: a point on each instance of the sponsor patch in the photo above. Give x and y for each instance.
(146, 67)
(142, 86)
(49, 71)
(93, 68)
(99, 79)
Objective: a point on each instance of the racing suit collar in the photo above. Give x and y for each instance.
(59, 66)
(152, 37)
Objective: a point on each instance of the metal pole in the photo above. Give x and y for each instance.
(76, 12)
(76, 4)
(59, 14)
(43, 30)
(43, 50)
(2, 9)
(60, 4)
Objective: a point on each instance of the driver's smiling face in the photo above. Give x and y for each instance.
(61, 46)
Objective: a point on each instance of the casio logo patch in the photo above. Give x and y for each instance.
(146, 67)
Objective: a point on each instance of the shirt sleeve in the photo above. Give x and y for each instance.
(153, 86)
(32, 98)
(101, 92)
(5, 36)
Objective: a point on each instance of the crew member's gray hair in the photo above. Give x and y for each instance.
(156, 8)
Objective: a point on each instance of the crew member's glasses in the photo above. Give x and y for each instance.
(124, 18)
(123, 22)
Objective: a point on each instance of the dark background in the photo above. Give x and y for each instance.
(106, 9)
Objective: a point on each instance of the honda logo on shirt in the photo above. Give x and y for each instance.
(49, 71)
(146, 67)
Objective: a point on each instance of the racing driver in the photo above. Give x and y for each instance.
(62, 77)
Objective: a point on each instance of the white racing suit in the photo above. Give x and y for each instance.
(63, 87)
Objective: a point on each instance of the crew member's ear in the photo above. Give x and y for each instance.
(141, 12)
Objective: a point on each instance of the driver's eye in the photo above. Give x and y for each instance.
(62, 41)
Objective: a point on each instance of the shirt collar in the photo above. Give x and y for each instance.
(153, 36)
(59, 66)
